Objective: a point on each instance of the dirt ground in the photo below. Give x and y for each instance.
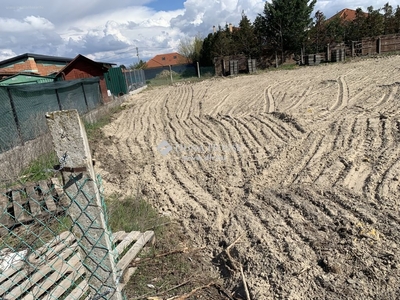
(302, 165)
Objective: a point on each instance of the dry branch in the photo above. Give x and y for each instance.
(245, 283)
(232, 262)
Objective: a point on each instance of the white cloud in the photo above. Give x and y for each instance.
(6, 53)
(28, 23)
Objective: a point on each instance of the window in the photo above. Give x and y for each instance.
(163, 58)
(175, 57)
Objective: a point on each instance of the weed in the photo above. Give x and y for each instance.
(166, 268)
(39, 169)
(93, 130)
(133, 214)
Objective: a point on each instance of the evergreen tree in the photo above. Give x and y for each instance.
(358, 29)
(318, 33)
(396, 20)
(223, 43)
(245, 38)
(287, 23)
(388, 19)
(375, 24)
(206, 57)
(139, 65)
(336, 30)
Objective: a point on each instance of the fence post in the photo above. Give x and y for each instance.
(84, 96)
(86, 209)
(198, 69)
(328, 53)
(15, 115)
(170, 73)
(58, 100)
(130, 77)
(134, 75)
(379, 45)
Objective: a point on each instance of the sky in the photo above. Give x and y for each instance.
(117, 31)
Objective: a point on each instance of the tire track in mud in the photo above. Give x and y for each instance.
(271, 128)
(341, 102)
(386, 97)
(251, 159)
(288, 127)
(269, 101)
(301, 99)
(311, 153)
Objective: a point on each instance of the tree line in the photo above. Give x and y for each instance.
(286, 27)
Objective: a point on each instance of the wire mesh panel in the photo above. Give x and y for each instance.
(134, 79)
(30, 107)
(93, 96)
(8, 129)
(38, 254)
(72, 97)
(23, 107)
(40, 257)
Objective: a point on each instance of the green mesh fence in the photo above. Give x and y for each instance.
(30, 107)
(23, 107)
(93, 95)
(41, 254)
(8, 129)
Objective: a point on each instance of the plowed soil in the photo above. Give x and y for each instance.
(302, 165)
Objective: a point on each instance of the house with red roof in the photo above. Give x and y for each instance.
(165, 60)
(346, 14)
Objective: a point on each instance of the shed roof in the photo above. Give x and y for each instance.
(78, 58)
(42, 58)
(25, 78)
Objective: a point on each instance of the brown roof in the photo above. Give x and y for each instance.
(80, 57)
(346, 14)
(164, 60)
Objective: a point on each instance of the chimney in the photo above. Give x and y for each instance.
(214, 29)
(230, 28)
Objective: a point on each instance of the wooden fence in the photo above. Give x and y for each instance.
(376, 45)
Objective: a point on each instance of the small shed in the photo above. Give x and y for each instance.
(231, 65)
(83, 67)
(25, 79)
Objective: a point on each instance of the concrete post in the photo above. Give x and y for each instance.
(198, 69)
(352, 49)
(328, 53)
(379, 46)
(170, 73)
(86, 211)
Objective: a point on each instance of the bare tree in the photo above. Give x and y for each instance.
(191, 48)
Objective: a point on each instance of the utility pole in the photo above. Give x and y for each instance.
(137, 53)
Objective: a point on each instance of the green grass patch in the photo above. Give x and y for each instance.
(169, 267)
(133, 214)
(39, 169)
(93, 130)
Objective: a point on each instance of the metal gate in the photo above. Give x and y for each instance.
(116, 81)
